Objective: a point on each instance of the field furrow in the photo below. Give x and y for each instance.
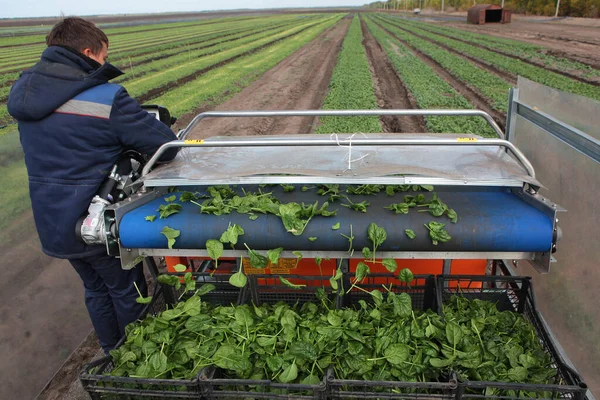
(389, 88)
(428, 88)
(155, 84)
(485, 90)
(219, 84)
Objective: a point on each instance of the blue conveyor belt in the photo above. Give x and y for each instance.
(488, 220)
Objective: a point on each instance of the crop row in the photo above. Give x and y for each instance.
(428, 88)
(187, 61)
(507, 64)
(20, 60)
(490, 85)
(351, 87)
(35, 39)
(181, 54)
(512, 47)
(140, 86)
(221, 83)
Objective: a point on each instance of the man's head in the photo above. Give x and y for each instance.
(81, 35)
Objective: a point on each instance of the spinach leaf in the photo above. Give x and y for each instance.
(150, 218)
(273, 255)
(437, 233)
(171, 235)
(290, 284)
(410, 233)
(166, 210)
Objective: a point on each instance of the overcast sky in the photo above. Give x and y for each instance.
(42, 8)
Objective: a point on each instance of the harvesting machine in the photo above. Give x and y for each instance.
(489, 182)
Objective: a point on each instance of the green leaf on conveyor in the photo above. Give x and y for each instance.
(171, 234)
(437, 233)
(410, 233)
(166, 210)
(232, 234)
(171, 199)
(312, 238)
(150, 218)
(214, 249)
(335, 226)
(398, 208)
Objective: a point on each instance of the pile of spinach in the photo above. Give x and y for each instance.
(485, 344)
(381, 338)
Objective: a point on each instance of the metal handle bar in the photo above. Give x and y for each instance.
(342, 113)
(327, 141)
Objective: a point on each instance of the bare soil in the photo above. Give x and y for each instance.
(389, 89)
(299, 82)
(42, 312)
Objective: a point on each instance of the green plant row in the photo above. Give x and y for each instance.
(205, 56)
(428, 88)
(219, 84)
(146, 54)
(187, 66)
(132, 45)
(520, 49)
(22, 61)
(351, 87)
(508, 64)
(146, 28)
(187, 63)
(490, 85)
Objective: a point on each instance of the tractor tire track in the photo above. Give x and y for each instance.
(301, 81)
(389, 88)
(159, 90)
(478, 100)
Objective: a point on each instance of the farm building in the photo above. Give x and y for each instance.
(484, 13)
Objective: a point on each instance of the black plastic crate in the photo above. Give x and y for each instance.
(268, 289)
(216, 385)
(101, 386)
(422, 293)
(511, 294)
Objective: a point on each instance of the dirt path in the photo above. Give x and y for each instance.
(473, 96)
(42, 312)
(299, 82)
(389, 89)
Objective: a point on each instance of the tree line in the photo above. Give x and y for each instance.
(571, 8)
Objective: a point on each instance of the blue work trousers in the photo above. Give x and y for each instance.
(110, 295)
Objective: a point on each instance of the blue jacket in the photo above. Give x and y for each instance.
(73, 126)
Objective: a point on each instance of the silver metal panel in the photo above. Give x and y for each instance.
(568, 295)
(578, 111)
(424, 159)
(341, 254)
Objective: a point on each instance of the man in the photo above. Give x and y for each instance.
(73, 126)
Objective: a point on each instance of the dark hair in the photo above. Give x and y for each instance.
(78, 34)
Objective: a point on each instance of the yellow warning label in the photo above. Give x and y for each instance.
(284, 266)
(194, 141)
(466, 139)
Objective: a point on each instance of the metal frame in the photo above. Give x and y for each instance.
(577, 139)
(341, 113)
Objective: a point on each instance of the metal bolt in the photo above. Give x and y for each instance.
(515, 263)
